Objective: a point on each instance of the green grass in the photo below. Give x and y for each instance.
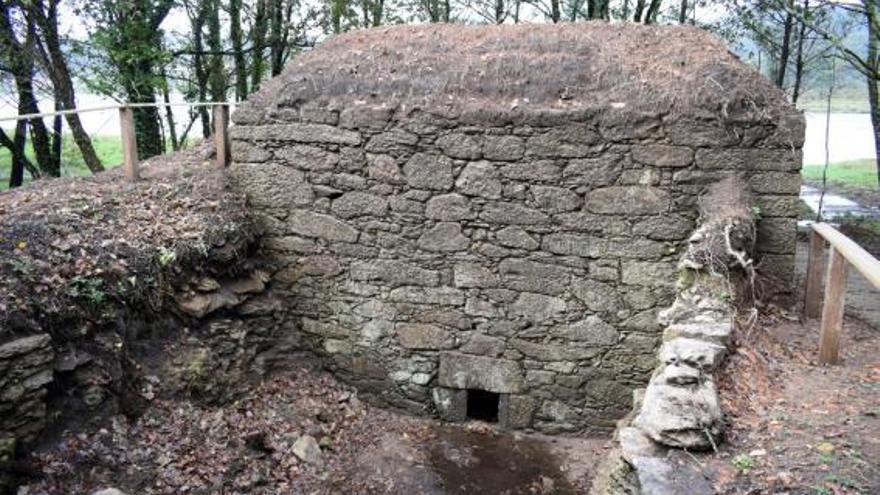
(108, 148)
(857, 173)
(845, 100)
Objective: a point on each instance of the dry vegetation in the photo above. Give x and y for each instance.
(527, 65)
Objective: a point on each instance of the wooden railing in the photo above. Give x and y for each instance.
(844, 252)
(127, 130)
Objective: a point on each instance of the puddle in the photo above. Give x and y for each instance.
(475, 458)
(473, 462)
(834, 206)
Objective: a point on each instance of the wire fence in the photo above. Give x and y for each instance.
(111, 131)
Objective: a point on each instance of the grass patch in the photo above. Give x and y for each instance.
(844, 100)
(860, 173)
(108, 149)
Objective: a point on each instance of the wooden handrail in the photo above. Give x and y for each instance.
(29, 116)
(860, 259)
(844, 252)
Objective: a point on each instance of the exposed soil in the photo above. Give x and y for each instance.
(179, 446)
(798, 427)
(85, 248)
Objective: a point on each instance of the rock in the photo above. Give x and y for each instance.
(464, 371)
(356, 204)
(537, 308)
(451, 404)
(449, 207)
(199, 305)
(384, 169)
(393, 272)
(682, 417)
(483, 345)
(713, 331)
(597, 296)
(305, 133)
(661, 155)
(592, 330)
(503, 148)
(308, 157)
(704, 356)
(634, 443)
(445, 236)
(648, 273)
(628, 200)
(531, 276)
(109, 491)
(555, 199)
(426, 171)
(310, 224)
(423, 336)
(306, 448)
(24, 345)
(516, 411)
(473, 275)
(479, 179)
(457, 145)
(670, 476)
(516, 237)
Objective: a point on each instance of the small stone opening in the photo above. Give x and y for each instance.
(482, 405)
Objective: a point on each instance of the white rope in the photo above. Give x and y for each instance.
(30, 116)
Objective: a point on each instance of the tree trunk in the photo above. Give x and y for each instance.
(16, 149)
(217, 81)
(499, 11)
(259, 37)
(47, 20)
(276, 46)
(653, 11)
(555, 14)
(57, 129)
(169, 114)
(799, 57)
(235, 33)
(873, 77)
(637, 13)
(784, 51)
(197, 21)
(683, 12)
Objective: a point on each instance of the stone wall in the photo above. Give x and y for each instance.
(25, 371)
(525, 254)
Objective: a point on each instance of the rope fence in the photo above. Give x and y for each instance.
(128, 136)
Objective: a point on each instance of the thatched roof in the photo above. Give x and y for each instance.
(594, 64)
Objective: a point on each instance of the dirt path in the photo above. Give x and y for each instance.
(801, 428)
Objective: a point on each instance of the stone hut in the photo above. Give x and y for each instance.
(485, 220)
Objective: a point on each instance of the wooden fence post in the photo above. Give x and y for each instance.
(129, 144)
(832, 313)
(815, 263)
(221, 136)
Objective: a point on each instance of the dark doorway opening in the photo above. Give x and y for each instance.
(482, 405)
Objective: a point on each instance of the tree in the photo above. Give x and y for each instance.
(866, 61)
(18, 57)
(128, 46)
(45, 16)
